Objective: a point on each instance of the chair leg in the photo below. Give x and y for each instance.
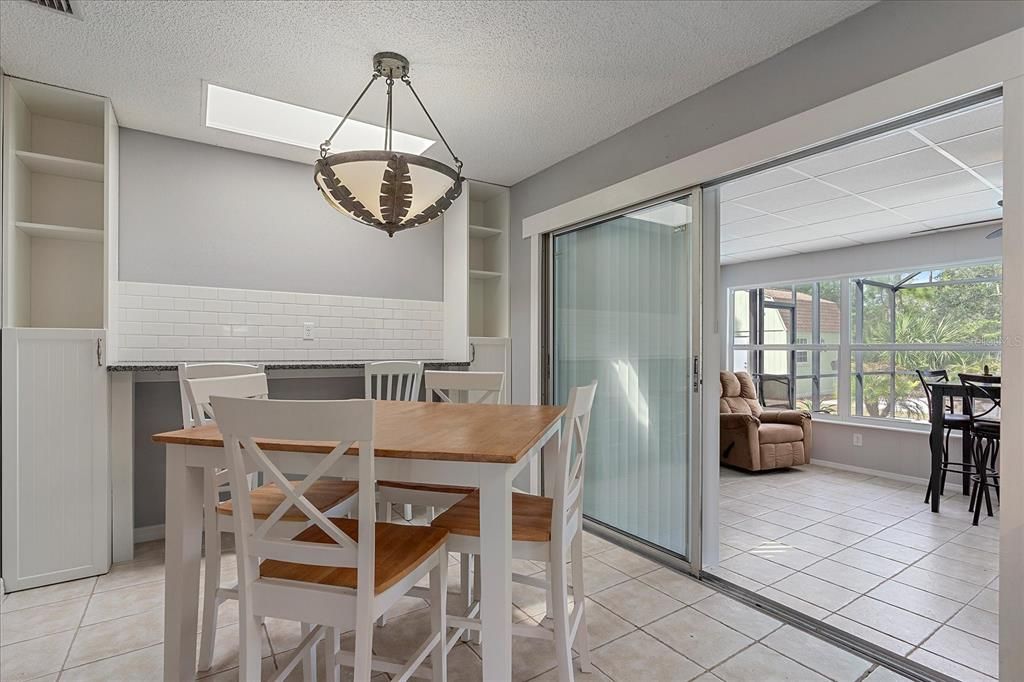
(332, 645)
(558, 581)
(438, 616)
(477, 591)
(211, 583)
(466, 592)
(549, 600)
(309, 659)
(579, 601)
(250, 632)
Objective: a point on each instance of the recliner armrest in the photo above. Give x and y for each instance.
(737, 422)
(794, 417)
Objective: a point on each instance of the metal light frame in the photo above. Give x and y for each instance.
(396, 190)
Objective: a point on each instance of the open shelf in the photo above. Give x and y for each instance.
(481, 232)
(484, 274)
(58, 165)
(78, 234)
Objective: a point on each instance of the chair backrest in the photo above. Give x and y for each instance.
(200, 391)
(572, 454)
(398, 380)
(465, 387)
(244, 422)
(929, 376)
(738, 395)
(207, 370)
(978, 387)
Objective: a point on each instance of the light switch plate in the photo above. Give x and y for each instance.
(307, 331)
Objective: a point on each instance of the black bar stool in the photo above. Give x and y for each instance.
(951, 421)
(984, 425)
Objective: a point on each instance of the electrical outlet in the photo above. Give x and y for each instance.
(307, 331)
(858, 440)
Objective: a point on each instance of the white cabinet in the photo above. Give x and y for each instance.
(476, 269)
(56, 466)
(59, 309)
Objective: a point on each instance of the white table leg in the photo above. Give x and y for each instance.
(183, 547)
(496, 570)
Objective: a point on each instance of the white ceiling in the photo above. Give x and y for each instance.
(515, 86)
(944, 172)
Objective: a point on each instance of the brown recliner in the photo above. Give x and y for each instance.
(757, 439)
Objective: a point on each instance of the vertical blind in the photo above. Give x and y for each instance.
(621, 316)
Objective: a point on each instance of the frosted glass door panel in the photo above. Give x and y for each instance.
(621, 314)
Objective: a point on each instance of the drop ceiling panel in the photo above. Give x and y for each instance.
(842, 207)
(967, 218)
(915, 165)
(859, 153)
(888, 233)
(761, 254)
(993, 172)
(732, 212)
(791, 196)
(776, 177)
(978, 149)
(956, 205)
(929, 189)
(755, 226)
(812, 245)
(973, 120)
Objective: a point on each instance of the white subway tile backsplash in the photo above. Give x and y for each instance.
(163, 322)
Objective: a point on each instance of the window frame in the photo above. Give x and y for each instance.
(851, 346)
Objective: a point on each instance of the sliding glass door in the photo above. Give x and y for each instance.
(622, 311)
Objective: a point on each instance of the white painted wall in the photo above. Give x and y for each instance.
(934, 250)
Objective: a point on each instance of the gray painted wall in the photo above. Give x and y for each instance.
(201, 215)
(883, 41)
(158, 409)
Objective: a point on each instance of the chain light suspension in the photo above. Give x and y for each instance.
(386, 189)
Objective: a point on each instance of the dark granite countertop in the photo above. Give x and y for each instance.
(309, 364)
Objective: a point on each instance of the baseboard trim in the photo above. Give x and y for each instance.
(873, 472)
(148, 533)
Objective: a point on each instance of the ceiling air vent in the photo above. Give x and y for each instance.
(62, 6)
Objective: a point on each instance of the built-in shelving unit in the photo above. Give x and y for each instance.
(58, 197)
(476, 299)
(59, 320)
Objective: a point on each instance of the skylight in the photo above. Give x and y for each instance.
(270, 119)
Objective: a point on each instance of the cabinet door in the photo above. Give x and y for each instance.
(55, 460)
(492, 354)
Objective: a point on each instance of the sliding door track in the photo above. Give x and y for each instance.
(829, 633)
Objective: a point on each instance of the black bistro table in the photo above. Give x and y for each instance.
(941, 390)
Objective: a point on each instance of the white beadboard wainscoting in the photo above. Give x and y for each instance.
(163, 322)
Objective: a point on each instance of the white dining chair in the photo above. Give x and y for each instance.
(339, 574)
(548, 529)
(393, 380)
(332, 497)
(448, 387)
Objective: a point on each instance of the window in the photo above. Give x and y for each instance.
(790, 338)
(787, 337)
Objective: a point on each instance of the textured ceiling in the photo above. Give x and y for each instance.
(946, 172)
(515, 86)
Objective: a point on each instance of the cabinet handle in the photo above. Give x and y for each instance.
(472, 353)
(99, 352)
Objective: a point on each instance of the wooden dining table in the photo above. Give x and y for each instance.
(941, 392)
(485, 446)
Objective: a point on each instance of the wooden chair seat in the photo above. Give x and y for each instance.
(324, 494)
(531, 517)
(428, 487)
(399, 550)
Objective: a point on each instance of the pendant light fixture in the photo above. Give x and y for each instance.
(387, 189)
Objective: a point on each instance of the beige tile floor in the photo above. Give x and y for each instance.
(867, 555)
(646, 622)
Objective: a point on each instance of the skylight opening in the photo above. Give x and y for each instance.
(270, 119)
